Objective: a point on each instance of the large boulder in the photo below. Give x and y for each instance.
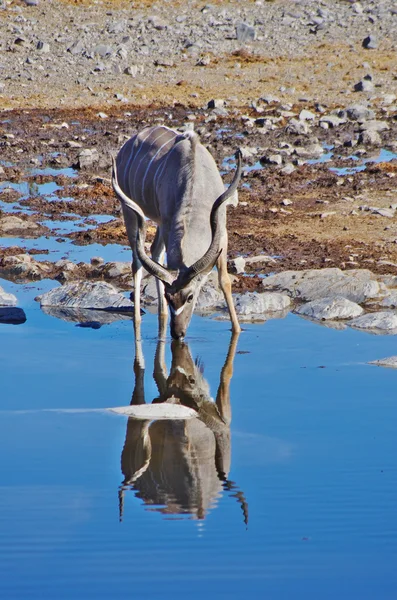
(97, 295)
(378, 322)
(330, 308)
(357, 285)
(254, 305)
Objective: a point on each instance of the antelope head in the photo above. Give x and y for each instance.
(181, 287)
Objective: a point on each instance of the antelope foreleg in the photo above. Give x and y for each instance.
(226, 287)
(157, 251)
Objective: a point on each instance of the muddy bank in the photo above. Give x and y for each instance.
(311, 199)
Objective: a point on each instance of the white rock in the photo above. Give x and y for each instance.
(332, 120)
(86, 294)
(390, 301)
(7, 299)
(239, 264)
(259, 260)
(12, 222)
(382, 321)
(306, 115)
(254, 303)
(356, 285)
(330, 308)
(390, 361)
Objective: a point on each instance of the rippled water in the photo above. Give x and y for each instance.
(296, 499)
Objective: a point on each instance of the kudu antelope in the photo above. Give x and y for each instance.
(172, 179)
(181, 466)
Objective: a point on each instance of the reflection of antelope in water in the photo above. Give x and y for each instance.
(181, 466)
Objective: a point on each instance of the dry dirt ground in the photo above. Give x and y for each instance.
(311, 217)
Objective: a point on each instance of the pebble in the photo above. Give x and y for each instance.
(76, 48)
(88, 157)
(306, 115)
(103, 50)
(370, 138)
(43, 47)
(216, 103)
(245, 33)
(238, 265)
(332, 120)
(365, 85)
(370, 42)
(359, 112)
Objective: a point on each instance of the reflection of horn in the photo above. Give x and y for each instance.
(230, 486)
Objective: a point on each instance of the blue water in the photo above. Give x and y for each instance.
(314, 448)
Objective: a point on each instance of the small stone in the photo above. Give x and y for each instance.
(216, 103)
(288, 169)
(370, 42)
(103, 50)
(306, 115)
(73, 144)
(297, 127)
(272, 159)
(374, 125)
(383, 212)
(332, 120)
(261, 259)
(359, 112)
(96, 261)
(131, 70)
(103, 115)
(238, 265)
(76, 48)
(88, 157)
(44, 47)
(365, 85)
(286, 202)
(370, 138)
(245, 33)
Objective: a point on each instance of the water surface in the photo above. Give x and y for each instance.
(311, 508)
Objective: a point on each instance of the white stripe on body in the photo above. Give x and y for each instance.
(151, 161)
(144, 157)
(160, 169)
(129, 163)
